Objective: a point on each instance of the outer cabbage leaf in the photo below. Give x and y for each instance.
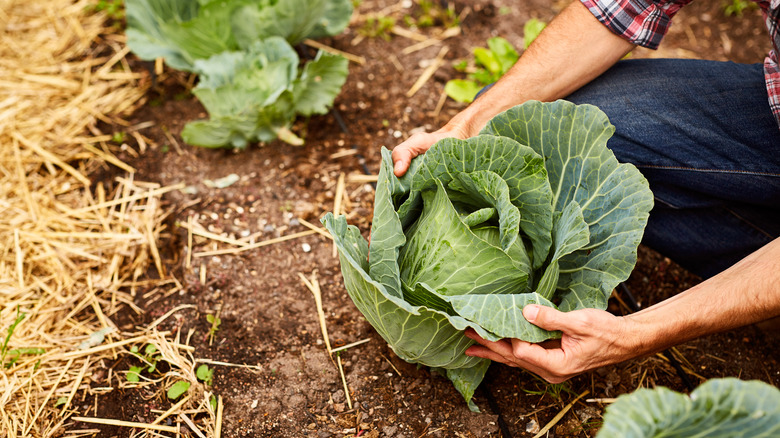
(615, 198)
(415, 333)
(727, 408)
(294, 20)
(319, 83)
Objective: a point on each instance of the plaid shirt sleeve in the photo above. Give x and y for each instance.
(642, 22)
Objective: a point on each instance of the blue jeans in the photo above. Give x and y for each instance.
(703, 135)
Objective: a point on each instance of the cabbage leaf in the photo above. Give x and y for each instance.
(183, 31)
(534, 210)
(719, 408)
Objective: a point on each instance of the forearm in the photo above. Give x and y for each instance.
(746, 293)
(573, 50)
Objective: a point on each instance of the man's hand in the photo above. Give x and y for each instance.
(591, 338)
(418, 144)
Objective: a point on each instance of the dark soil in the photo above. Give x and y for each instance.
(268, 315)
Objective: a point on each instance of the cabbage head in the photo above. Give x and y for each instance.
(534, 210)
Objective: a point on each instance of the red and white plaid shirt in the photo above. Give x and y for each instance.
(645, 22)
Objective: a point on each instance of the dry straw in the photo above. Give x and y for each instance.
(72, 252)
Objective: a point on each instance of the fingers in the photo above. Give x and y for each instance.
(416, 145)
(404, 153)
(502, 347)
(502, 351)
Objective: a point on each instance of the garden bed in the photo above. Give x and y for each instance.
(272, 370)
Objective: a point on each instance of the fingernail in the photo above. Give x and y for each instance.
(530, 312)
(397, 167)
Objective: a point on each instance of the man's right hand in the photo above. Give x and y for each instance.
(418, 144)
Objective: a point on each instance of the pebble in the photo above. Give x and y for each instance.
(532, 427)
(306, 247)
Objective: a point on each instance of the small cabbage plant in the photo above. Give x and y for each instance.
(251, 80)
(534, 210)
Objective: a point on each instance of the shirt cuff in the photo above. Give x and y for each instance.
(643, 23)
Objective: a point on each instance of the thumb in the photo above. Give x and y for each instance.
(545, 317)
(402, 159)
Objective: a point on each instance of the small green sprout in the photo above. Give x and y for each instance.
(118, 137)
(177, 389)
(204, 374)
(4, 349)
(378, 27)
(150, 357)
(215, 321)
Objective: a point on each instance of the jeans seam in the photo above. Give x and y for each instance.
(693, 169)
(750, 224)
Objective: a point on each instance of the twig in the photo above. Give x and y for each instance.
(169, 313)
(314, 287)
(428, 72)
(173, 409)
(121, 423)
(209, 235)
(560, 415)
(451, 32)
(311, 226)
(218, 426)
(227, 364)
(254, 245)
(601, 400)
(317, 45)
(344, 381)
(348, 346)
(391, 365)
(192, 425)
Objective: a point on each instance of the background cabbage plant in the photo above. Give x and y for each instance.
(534, 210)
(250, 78)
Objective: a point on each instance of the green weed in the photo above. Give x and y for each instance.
(380, 27)
(215, 321)
(737, 7)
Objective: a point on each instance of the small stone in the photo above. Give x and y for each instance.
(306, 247)
(532, 427)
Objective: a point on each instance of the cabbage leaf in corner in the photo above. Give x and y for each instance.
(719, 408)
(535, 210)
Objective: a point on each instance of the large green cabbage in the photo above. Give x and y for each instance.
(535, 209)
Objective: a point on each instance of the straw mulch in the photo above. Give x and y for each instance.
(74, 253)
